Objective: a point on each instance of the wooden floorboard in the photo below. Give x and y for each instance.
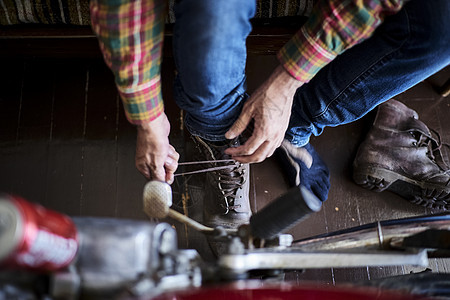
(130, 183)
(64, 181)
(30, 152)
(99, 150)
(10, 99)
(37, 101)
(71, 81)
(63, 186)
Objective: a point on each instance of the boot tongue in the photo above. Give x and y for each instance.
(415, 125)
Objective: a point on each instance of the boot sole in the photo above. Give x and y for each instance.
(417, 192)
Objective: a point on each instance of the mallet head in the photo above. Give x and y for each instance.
(157, 199)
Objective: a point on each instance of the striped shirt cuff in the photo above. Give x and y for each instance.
(142, 103)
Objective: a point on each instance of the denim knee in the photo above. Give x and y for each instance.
(406, 49)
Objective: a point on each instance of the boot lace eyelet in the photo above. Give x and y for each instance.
(414, 144)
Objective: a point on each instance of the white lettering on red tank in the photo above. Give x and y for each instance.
(49, 248)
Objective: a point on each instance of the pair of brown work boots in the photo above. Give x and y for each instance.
(399, 154)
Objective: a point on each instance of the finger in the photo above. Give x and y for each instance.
(280, 141)
(170, 178)
(258, 156)
(275, 147)
(240, 124)
(271, 152)
(249, 148)
(143, 169)
(170, 165)
(151, 166)
(173, 153)
(158, 174)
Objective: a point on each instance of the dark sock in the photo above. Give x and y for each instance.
(316, 178)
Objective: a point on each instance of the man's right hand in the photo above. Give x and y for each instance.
(155, 158)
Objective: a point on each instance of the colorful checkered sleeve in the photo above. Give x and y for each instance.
(130, 34)
(333, 27)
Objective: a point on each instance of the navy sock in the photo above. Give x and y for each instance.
(316, 178)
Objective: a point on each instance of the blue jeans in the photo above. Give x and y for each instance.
(210, 57)
(210, 54)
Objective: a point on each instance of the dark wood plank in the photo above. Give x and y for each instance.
(99, 150)
(11, 81)
(8, 176)
(24, 170)
(99, 178)
(101, 104)
(51, 32)
(351, 275)
(130, 183)
(71, 82)
(37, 101)
(64, 177)
(324, 276)
(65, 148)
(31, 152)
(50, 48)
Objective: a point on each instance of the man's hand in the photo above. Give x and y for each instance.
(270, 107)
(156, 159)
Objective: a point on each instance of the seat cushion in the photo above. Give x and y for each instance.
(76, 12)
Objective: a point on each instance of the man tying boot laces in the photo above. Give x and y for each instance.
(346, 59)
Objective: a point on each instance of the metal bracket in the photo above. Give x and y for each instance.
(294, 259)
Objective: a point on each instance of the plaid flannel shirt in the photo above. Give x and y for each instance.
(130, 34)
(333, 27)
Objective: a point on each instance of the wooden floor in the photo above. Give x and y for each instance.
(65, 143)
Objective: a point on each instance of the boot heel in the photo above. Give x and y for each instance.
(371, 178)
(378, 180)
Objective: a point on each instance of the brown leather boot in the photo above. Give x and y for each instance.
(399, 154)
(226, 203)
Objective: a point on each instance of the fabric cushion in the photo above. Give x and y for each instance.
(76, 12)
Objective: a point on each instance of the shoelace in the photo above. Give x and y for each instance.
(434, 148)
(229, 177)
(205, 169)
(224, 178)
(235, 182)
